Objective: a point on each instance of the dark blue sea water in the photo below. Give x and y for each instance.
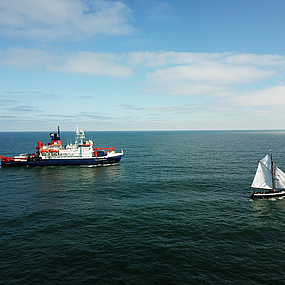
(175, 210)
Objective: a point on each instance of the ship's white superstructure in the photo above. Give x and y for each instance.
(80, 148)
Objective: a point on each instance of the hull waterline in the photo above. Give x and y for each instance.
(64, 162)
(267, 195)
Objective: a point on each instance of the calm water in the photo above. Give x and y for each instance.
(175, 210)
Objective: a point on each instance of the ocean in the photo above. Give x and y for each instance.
(175, 210)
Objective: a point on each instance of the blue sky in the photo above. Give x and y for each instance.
(142, 65)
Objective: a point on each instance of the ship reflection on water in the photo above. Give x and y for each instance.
(58, 187)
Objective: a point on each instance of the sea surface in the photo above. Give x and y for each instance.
(175, 210)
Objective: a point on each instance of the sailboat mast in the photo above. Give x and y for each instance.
(272, 173)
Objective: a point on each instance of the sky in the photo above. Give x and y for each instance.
(136, 65)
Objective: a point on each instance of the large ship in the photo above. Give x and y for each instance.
(54, 153)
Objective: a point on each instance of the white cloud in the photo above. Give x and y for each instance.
(270, 97)
(55, 20)
(216, 78)
(163, 58)
(214, 72)
(259, 60)
(169, 73)
(101, 64)
(26, 58)
(185, 88)
(88, 63)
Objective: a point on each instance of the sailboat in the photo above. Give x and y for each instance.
(269, 181)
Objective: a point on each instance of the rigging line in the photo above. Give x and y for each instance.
(264, 165)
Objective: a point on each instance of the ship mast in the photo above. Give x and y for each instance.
(272, 174)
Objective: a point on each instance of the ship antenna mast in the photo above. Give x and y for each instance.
(272, 173)
(76, 134)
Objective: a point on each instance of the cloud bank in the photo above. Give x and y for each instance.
(165, 73)
(58, 20)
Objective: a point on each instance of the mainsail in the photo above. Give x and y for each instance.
(265, 173)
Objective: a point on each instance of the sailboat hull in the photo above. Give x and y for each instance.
(266, 195)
